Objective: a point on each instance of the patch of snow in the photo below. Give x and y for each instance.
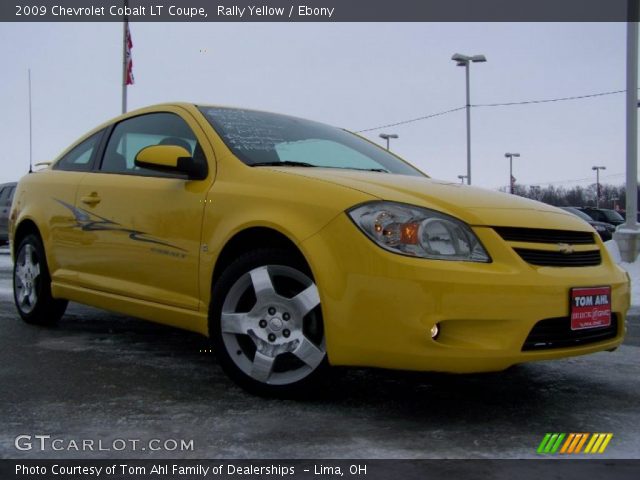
(5, 261)
(633, 269)
(6, 292)
(6, 287)
(614, 251)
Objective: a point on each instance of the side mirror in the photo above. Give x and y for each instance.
(170, 159)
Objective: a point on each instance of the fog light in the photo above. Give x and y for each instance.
(435, 330)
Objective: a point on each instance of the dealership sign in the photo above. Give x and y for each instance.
(590, 307)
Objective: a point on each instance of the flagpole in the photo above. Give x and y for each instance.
(125, 29)
(30, 128)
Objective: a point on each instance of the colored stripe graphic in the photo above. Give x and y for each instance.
(592, 440)
(543, 443)
(581, 443)
(607, 439)
(555, 443)
(568, 442)
(550, 443)
(598, 443)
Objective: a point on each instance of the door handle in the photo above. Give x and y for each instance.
(92, 199)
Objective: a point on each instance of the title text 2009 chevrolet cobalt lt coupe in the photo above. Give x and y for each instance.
(295, 245)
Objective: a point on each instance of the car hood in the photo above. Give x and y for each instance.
(475, 206)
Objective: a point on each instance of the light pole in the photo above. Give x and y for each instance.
(462, 177)
(510, 157)
(597, 169)
(464, 61)
(388, 136)
(628, 235)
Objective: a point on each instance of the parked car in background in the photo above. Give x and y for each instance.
(295, 245)
(603, 215)
(605, 230)
(624, 215)
(6, 197)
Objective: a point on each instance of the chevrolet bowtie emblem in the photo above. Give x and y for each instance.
(565, 248)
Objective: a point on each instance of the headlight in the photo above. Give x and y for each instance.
(418, 232)
(601, 228)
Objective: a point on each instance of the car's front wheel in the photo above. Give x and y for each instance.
(266, 324)
(32, 284)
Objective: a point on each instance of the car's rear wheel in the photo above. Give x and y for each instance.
(32, 284)
(266, 324)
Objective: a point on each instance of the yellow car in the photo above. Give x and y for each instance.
(295, 245)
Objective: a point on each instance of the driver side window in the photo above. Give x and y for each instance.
(132, 135)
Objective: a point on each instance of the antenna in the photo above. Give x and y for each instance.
(30, 129)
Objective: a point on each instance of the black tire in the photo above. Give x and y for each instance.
(32, 284)
(279, 347)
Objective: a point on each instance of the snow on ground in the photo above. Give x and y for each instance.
(5, 260)
(6, 289)
(633, 269)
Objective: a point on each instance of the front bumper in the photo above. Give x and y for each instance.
(379, 307)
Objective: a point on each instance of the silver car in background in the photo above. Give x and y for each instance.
(6, 197)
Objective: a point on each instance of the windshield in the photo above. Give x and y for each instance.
(613, 216)
(263, 139)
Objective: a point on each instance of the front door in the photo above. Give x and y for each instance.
(141, 229)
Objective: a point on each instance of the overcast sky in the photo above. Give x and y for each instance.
(355, 76)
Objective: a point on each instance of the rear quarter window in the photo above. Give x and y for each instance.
(79, 159)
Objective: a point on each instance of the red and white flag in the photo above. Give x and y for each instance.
(129, 60)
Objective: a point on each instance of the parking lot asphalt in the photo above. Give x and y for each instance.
(100, 376)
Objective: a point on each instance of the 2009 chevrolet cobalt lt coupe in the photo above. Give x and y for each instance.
(295, 245)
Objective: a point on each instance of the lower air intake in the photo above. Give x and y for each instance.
(557, 333)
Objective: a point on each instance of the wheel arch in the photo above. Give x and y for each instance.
(248, 239)
(25, 227)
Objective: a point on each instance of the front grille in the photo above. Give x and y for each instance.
(547, 258)
(557, 333)
(540, 235)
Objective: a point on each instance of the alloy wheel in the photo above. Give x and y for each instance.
(271, 325)
(26, 275)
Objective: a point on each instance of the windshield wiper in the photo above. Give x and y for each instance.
(285, 163)
(291, 163)
(383, 170)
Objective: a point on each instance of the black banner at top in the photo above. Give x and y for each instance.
(320, 10)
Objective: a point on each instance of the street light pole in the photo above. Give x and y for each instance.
(510, 157)
(632, 119)
(464, 61)
(468, 112)
(388, 136)
(628, 235)
(597, 169)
